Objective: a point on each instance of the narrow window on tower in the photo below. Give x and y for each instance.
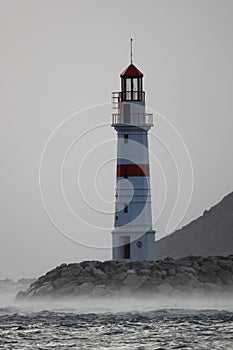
(126, 208)
(140, 89)
(125, 173)
(135, 88)
(126, 138)
(128, 89)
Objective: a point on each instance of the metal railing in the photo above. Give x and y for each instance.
(133, 96)
(134, 119)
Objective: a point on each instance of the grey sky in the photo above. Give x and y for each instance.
(58, 57)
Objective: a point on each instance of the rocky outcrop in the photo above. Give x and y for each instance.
(111, 278)
(210, 234)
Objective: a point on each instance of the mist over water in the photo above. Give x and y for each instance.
(120, 303)
(159, 322)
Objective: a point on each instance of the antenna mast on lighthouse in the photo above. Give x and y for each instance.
(131, 51)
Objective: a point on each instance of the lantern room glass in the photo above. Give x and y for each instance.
(132, 89)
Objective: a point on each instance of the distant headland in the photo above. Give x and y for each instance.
(210, 234)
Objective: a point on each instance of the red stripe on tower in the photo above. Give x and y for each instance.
(127, 170)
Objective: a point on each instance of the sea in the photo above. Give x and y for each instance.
(158, 323)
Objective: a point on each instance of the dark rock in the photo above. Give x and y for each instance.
(186, 269)
(99, 290)
(94, 278)
(99, 274)
(85, 288)
(133, 283)
(66, 289)
(143, 272)
(45, 289)
(60, 282)
(131, 272)
(151, 285)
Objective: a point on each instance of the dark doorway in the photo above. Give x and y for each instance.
(126, 248)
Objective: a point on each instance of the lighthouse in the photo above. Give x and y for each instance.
(133, 238)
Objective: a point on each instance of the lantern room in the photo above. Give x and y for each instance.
(131, 84)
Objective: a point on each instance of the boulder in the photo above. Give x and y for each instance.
(133, 282)
(143, 272)
(85, 288)
(61, 281)
(99, 274)
(99, 290)
(131, 272)
(66, 289)
(45, 289)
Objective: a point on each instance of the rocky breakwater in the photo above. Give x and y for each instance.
(111, 278)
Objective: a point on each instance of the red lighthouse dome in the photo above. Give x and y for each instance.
(131, 72)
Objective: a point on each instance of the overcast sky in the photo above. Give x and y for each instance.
(61, 57)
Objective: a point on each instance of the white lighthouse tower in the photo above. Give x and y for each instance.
(133, 237)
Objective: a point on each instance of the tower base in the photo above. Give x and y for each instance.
(128, 246)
